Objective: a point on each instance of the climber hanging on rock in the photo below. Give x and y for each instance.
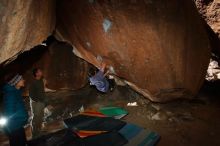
(98, 78)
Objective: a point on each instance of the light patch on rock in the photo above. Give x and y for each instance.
(132, 104)
(99, 58)
(47, 111)
(88, 44)
(107, 25)
(111, 69)
(119, 81)
(76, 52)
(159, 116)
(81, 110)
(157, 107)
(144, 92)
(4, 19)
(43, 44)
(213, 72)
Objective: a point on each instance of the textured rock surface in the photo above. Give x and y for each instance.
(213, 72)
(24, 24)
(159, 47)
(210, 10)
(62, 69)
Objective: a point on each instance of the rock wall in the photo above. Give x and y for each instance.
(24, 24)
(62, 69)
(210, 11)
(160, 48)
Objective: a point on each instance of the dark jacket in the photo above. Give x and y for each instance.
(37, 92)
(14, 108)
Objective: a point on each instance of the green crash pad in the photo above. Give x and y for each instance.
(115, 112)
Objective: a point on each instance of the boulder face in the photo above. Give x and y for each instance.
(63, 69)
(24, 24)
(160, 48)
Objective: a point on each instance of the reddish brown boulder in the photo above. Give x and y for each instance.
(159, 47)
(62, 69)
(24, 24)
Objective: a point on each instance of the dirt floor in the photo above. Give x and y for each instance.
(180, 123)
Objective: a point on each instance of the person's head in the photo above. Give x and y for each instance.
(92, 71)
(37, 73)
(17, 81)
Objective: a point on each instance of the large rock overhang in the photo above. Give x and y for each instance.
(160, 48)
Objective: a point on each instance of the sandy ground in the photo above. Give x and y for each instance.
(180, 123)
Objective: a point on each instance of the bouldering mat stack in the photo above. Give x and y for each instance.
(84, 130)
(113, 138)
(91, 123)
(135, 135)
(68, 138)
(84, 125)
(93, 113)
(138, 136)
(63, 137)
